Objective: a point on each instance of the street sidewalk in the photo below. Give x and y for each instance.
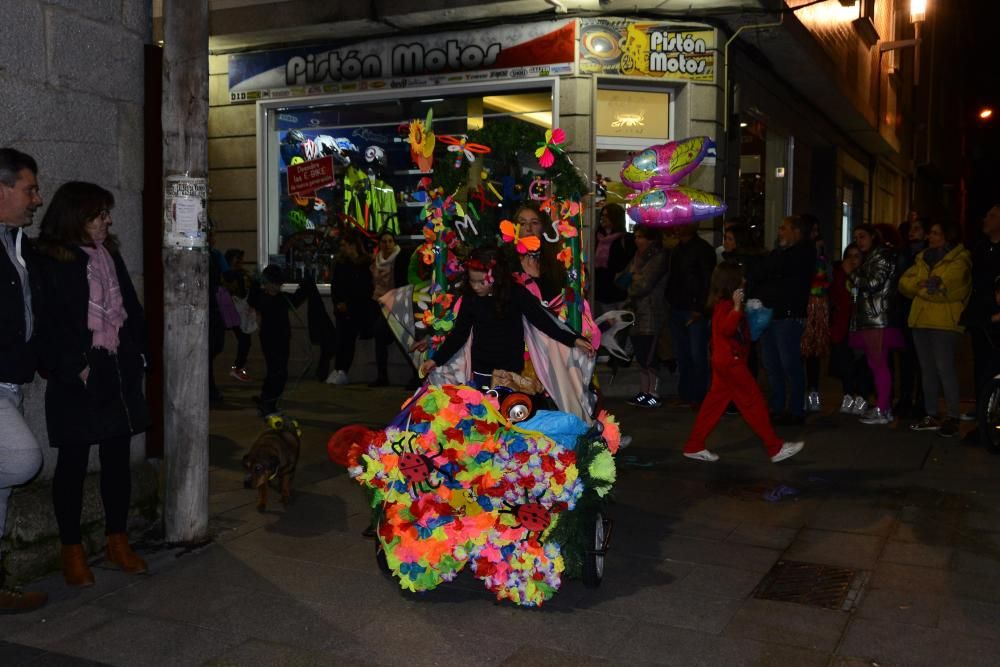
(913, 516)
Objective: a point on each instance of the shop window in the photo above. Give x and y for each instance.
(629, 117)
(380, 182)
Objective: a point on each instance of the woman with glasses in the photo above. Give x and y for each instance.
(94, 342)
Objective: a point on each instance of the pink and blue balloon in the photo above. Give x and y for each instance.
(678, 205)
(655, 173)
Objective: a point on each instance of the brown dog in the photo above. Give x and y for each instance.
(273, 455)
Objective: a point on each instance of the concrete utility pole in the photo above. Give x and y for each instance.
(185, 260)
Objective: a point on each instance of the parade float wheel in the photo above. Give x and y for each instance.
(380, 560)
(599, 534)
(517, 407)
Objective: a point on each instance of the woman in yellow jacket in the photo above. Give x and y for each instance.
(939, 283)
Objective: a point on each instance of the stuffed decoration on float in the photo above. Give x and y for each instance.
(655, 173)
(454, 482)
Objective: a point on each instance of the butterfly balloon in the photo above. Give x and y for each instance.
(656, 173)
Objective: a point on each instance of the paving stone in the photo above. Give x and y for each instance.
(982, 521)
(258, 653)
(835, 548)
(924, 555)
(853, 517)
(717, 581)
(741, 556)
(888, 643)
(893, 576)
(150, 641)
(911, 607)
(538, 655)
(760, 535)
(972, 617)
(653, 644)
(789, 624)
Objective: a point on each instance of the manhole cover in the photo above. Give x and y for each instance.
(812, 584)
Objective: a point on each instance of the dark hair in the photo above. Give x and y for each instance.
(233, 254)
(654, 234)
(923, 223)
(73, 205)
(872, 231)
(12, 162)
(272, 274)
(551, 266)
(387, 232)
(491, 259)
(741, 234)
(851, 246)
(949, 231)
(616, 214)
(351, 237)
(803, 224)
(726, 279)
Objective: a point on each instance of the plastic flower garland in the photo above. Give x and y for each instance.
(462, 485)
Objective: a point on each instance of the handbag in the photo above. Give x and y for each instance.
(758, 317)
(248, 322)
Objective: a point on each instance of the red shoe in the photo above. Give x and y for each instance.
(240, 374)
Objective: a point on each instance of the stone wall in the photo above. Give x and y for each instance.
(71, 81)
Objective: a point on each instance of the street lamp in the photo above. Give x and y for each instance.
(985, 113)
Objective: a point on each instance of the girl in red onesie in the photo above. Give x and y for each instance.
(731, 380)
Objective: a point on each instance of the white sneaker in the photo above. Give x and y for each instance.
(876, 416)
(787, 451)
(336, 377)
(847, 405)
(813, 402)
(860, 405)
(703, 455)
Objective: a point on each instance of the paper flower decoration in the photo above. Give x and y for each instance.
(460, 146)
(546, 150)
(421, 137)
(510, 232)
(463, 485)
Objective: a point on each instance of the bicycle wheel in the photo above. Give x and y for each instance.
(989, 414)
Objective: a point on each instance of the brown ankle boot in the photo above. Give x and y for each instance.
(120, 553)
(76, 572)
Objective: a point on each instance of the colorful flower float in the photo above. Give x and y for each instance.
(454, 482)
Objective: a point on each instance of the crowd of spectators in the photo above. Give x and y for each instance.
(887, 318)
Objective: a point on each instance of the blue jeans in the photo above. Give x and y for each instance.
(781, 343)
(690, 342)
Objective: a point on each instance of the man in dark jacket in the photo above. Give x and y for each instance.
(785, 278)
(20, 455)
(691, 266)
(982, 304)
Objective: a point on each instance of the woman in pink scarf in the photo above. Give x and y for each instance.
(94, 342)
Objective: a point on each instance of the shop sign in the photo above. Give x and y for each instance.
(666, 51)
(499, 52)
(305, 178)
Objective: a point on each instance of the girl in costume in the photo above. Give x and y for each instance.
(731, 380)
(541, 271)
(491, 312)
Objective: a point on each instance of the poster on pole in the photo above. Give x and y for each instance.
(185, 221)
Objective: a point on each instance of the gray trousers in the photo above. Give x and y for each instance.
(936, 352)
(20, 455)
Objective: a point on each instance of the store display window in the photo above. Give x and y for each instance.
(369, 162)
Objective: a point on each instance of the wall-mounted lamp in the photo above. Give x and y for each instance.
(848, 3)
(918, 10)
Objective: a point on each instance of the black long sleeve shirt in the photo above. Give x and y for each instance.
(498, 342)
